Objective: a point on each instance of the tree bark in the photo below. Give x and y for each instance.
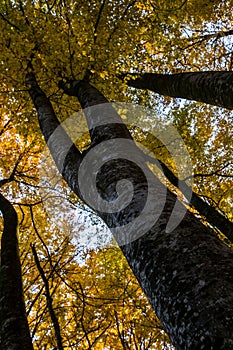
(14, 331)
(187, 273)
(66, 156)
(213, 87)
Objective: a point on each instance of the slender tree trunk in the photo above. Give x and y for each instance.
(213, 217)
(65, 154)
(14, 330)
(187, 273)
(49, 299)
(215, 88)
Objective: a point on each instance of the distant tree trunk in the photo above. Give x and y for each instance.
(49, 299)
(14, 330)
(213, 87)
(187, 273)
(213, 217)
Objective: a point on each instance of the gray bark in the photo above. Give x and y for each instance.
(14, 330)
(187, 273)
(213, 87)
(65, 154)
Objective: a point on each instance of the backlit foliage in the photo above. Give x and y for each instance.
(98, 302)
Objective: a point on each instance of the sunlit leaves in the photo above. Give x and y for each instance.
(95, 296)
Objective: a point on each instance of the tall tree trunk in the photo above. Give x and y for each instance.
(66, 156)
(14, 330)
(215, 88)
(187, 273)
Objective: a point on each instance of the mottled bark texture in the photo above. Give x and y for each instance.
(14, 330)
(187, 273)
(215, 88)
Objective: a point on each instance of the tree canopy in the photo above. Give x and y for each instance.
(85, 283)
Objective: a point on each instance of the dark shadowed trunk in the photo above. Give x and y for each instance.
(215, 88)
(14, 330)
(187, 273)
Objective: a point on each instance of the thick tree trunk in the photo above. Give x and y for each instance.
(89, 97)
(215, 88)
(187, 273)
(14, 330)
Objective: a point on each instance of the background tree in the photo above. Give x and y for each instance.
(209, 87)
(14, 330)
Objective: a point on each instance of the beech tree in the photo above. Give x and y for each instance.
(175, 269)
(14, 330)
(214, 87)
